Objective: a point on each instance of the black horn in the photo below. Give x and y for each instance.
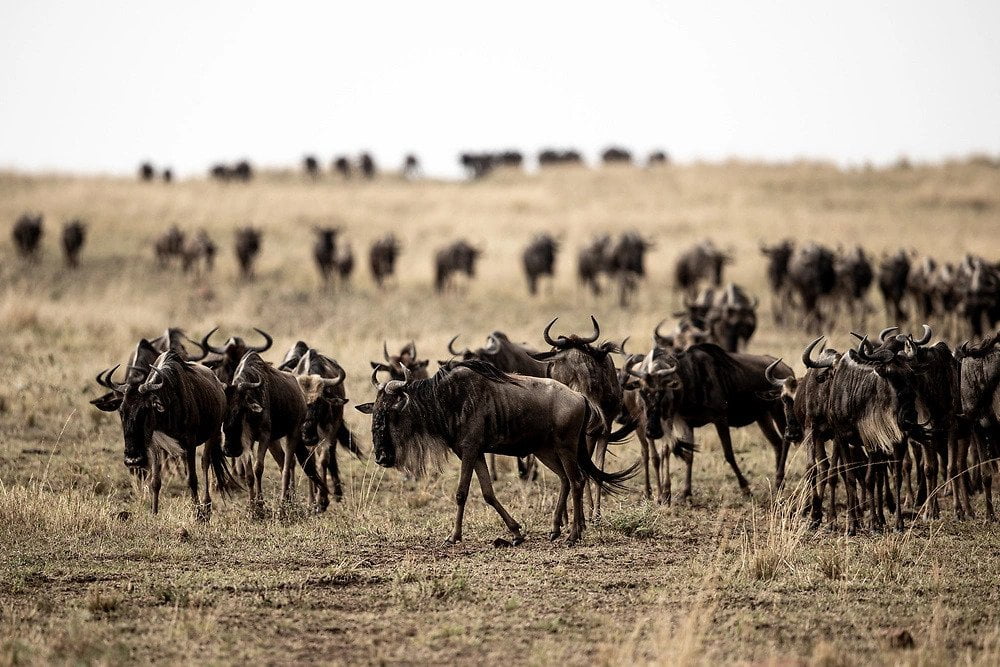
(769, 374)
(206, 345)
(807, 356)
(268, 342)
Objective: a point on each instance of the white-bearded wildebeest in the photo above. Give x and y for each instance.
(382, 258)
(778, 256)
(406, 359)
(702, 262)
(321, 380)
(367, 165)
(459, 257)
(626, 264)
(812, 278)
(247, 247)
(198, 250)
(27, 234)
(731, 320)
(168, 245)
(265, 406)
(74, 235)
(310, 165)
(593, 260)
(473, 409)
(178, 407)
(707, 385)
(325, 251)
(893, 275)
(854, 279)
(980, 390)
(229, 356)
(583, 367)
(510, 358)
(342, 165)
(539, 259)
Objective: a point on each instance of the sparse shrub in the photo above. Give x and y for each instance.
(101, 604)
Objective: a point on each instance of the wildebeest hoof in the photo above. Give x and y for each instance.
(501, 543)
(554, 535)
(453, 539)
(518, 539)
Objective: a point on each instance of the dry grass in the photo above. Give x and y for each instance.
(87, 576)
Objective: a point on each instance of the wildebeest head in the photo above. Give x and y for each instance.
(733, 319)
(658, 384)
(244, 404)
(406, 359)
(231, 353)
(147, 407)
(323, 394)
(684, 336)
(389, 414)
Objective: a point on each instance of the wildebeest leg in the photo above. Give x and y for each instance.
(929, 484)
(722, 428)
(600, 451)
(779, 446)
(957, 464)
(486, 486)
(155, 476)
(897, 469)
(844, 463)
(552, 461)
(462, 493)
(330, 460)
(664, 491)
(644, 449)
(206, 464)
(492, 458)
(263, 445)
(190, 456)
(308, 462)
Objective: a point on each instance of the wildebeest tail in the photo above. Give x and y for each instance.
(611, 482)
(628, 425)
(225, 482)
(682, 448)
(348, 441)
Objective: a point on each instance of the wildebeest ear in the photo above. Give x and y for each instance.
(366, 408)
(338, 401)
(109, 402)
(423, 364)
(376, 364)
(771, 395)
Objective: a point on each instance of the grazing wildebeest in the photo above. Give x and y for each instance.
(342, 166)
(593, 260)
(510, 358)
(473, 409)
(778, 256)
(27, 234)
(247, 246)
(264, 405)
(382, 258)
(310, 165)
(178, 407)
(732, 319)
(74, 235)
(325, 250)
(228, 356)
(396, 364)
(587, 368)
(626, 264)
(657, 157)
(707, 385)
(321, 380)
(615, 155)
(146, 172)
(367, 164)
(168, 245)
(459, 257)
(411, 166)
(539, 259)
(893, 275)
(702, 262)
(812, 277)
(196, 250)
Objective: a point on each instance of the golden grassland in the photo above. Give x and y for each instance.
(722, 579)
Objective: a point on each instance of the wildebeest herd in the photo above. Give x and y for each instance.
(897, 420)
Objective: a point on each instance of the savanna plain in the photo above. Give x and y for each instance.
(89, 576)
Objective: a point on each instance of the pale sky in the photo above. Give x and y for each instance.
(101, 86)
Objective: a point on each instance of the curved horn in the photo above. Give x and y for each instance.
(807, 356)
(375, 371)
(103, 380)
(333, 382)
(548, 338)
(148, 386)
(205, 345)
(769, 374)
(880, 356)
(669, 370)
(249, 384)
(885, 333)
(392, 386)
(632, 362)
(451, 347)
(204, 350)
(268, 342)
(660, 338)
(622, 346)
(385, 351)
(111, 384)
(595, 334)
(926, 338)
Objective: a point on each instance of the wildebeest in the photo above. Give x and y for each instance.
(168, 175)
(980, 396)
(616, 154)
(342, 166)
(406, 360)
(27, 234)
(458, 257)
(321, 380)
(247, 247)
(344, 263)
(626, 264)
(587, 368)
(548, 157)
(411, 166)
(812, 277)
(228, 356)
(168, 245)
(707, 385)
(539, 259)
(325, 250)
(242, 171)
(367, 165)
(198, 250)
(981, 295)
(682, 337)
(177, 408)
(854, 278)
(74, 235)
(146, 172)
(778, 256)
(310, 165)
(382, 258)
(657, 157)
(264, 405)
(702, 262)
(893, 275)
(732, 319)
(476, 165)
(473, 409)
(593, 260)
